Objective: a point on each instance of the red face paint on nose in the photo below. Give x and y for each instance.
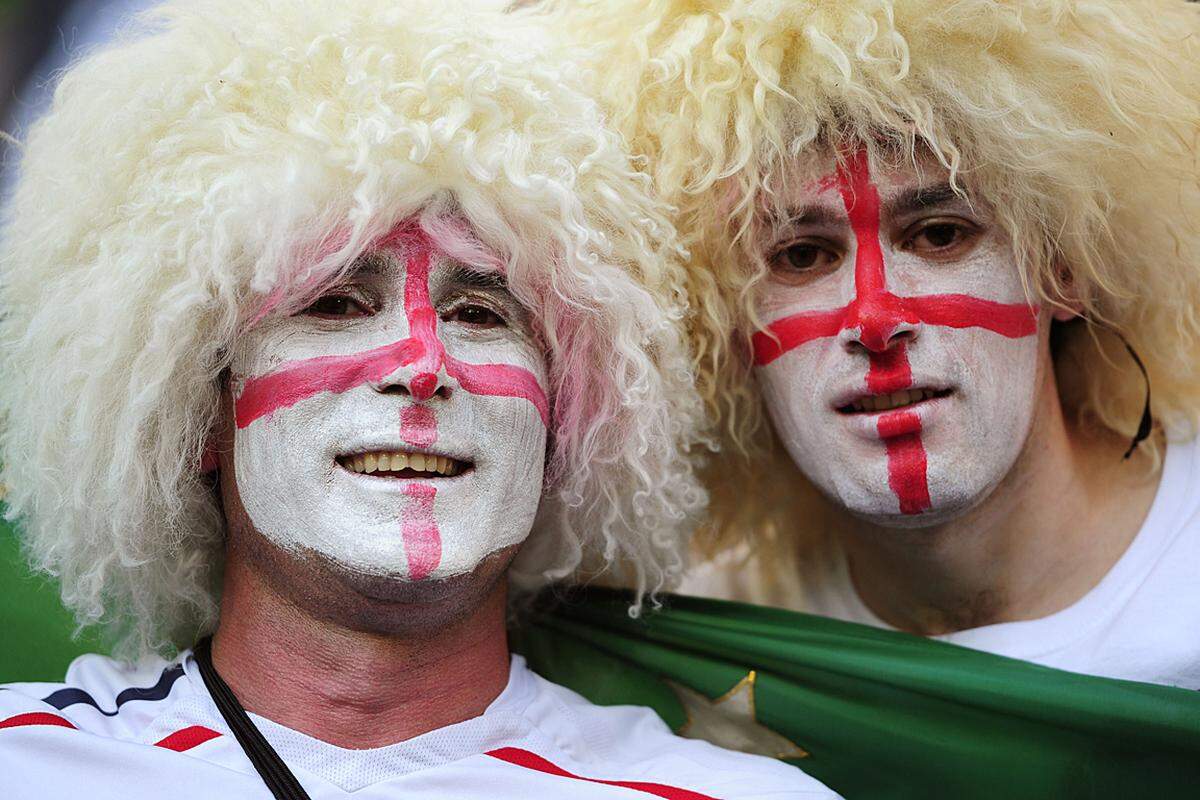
(876, 315)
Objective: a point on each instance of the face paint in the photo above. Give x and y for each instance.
(902, 382)
(345, 423)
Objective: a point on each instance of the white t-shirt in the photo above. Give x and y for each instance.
(153, 731)
(1140, 622)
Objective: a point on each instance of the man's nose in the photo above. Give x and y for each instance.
(420, 384)
(877, 323)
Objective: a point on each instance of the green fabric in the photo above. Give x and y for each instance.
(36, 641)
(882, 714)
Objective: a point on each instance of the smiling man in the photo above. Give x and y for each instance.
(325, 323)
(930, 240)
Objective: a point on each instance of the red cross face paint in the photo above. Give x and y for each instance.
(398, 425)
(902, 359)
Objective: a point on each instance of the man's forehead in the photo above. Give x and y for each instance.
(815, 190)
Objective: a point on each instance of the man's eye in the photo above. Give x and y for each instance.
(476, 316)
(335, 306)
(804, 257)
(942, 239)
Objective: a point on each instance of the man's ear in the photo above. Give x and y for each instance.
(208, 459)
(1069, 305)
(219, 437)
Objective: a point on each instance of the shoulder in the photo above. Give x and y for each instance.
(1171, 529)
(634, 743)
(100, 695)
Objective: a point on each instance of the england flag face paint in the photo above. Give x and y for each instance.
(397, 426)
(902, 358)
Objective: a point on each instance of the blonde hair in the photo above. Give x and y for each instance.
(232, 157)
(1077, 121)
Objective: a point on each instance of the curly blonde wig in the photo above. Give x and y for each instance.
(228, 159)
(1076, 121)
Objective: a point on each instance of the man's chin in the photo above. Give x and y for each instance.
(880, 509)
(395, 605)
(402, 590)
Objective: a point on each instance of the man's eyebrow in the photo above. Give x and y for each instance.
(810, 215)
(367, 264)
(467, 277)
(922, 197)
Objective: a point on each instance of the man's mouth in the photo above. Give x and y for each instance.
(403, 464)
(875, 403)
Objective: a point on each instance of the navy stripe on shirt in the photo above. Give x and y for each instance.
(69, 697)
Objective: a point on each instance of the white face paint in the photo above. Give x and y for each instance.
(413, 354)
(909, 360)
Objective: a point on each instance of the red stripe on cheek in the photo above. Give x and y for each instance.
(422, 540)
(1013, 320)
(299, 380)
(501, 380)
(791, 332)
(907, 460)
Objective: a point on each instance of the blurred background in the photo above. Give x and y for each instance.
(37, 39)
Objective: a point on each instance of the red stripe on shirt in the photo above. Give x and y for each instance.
(187, 738)
(36, 718)
(179, 741)
(524, 758)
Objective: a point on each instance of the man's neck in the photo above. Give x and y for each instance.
(1042, 540)
(349, 688)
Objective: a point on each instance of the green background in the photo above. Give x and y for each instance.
(36, 642)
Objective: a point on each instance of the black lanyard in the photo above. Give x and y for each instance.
(270, 766)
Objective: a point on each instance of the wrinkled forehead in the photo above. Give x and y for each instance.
(817, 185)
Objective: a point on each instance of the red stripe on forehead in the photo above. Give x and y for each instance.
(861, 198)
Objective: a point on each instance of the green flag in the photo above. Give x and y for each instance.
(872, 713)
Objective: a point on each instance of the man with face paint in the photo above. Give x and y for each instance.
(323, 324)
(933, 244)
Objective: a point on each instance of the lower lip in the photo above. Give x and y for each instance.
(866, 423)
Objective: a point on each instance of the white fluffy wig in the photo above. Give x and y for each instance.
(229, 159)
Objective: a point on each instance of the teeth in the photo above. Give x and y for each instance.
(887, 402)
(398, 461)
